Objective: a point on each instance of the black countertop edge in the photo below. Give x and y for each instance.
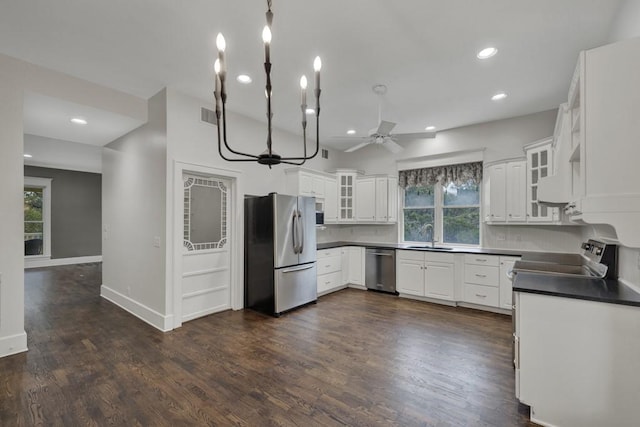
(455, 250)
(584, 288)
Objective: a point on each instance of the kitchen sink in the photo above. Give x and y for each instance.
(430, 248)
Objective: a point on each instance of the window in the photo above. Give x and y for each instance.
(37, 217)
(450, 211)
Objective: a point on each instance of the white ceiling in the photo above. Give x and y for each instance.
(423, 50)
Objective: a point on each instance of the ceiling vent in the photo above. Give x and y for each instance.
(325, 153)
(208, 116)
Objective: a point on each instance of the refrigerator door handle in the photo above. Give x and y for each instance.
(301, 235)
(295, 232)
(303, 267)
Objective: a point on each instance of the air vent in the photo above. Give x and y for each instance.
(325, 153)
(208, 116)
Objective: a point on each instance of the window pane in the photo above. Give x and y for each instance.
(461, 195)
(461, 225)
(33, 204)
(419, 196)
(415, 225)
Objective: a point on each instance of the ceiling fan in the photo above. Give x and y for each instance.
(382, 134)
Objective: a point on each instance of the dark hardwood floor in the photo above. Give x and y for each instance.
(355, 358)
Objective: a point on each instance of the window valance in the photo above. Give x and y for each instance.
(458, 174)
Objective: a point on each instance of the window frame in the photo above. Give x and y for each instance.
(438, 216)
(45, 184)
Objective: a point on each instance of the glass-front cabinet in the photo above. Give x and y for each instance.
(346, 196)
(539, 165)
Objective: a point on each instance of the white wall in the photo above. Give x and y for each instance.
(501, 139)
(133, 215)
(626, 24)
(12, 336)
(59, 154)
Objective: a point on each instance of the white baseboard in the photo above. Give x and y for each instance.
(13, 344)
(47, 262)
(141, 311)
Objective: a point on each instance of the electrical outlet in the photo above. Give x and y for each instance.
(500, 237)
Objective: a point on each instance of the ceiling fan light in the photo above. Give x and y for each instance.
(351, 132)
(430, 128)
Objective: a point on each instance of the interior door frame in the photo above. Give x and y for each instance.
(236, 213)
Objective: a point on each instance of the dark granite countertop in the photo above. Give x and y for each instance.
(600, 290)
(459, 250)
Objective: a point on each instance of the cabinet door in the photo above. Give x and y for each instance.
(330, 200)
(345, 265)
(393, 200)
(538, 166)
(346, 197)
(318, 186)
(410, 276)
(516, 191)
(497, 193)
(365, 199)
(506, 265)
(356, 265)
(438, 280)
(305, 184)
(381, 200)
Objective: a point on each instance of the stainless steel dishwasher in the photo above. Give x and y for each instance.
(380, 270)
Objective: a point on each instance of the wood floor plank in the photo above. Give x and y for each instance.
(356, 358)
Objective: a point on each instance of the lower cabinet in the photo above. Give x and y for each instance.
(506, 293)
(356, 265)
(329, 268)
(486, 281)
(425, 274)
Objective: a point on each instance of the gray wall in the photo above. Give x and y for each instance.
(76, 211)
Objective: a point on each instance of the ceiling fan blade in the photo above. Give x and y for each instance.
(417, 135)
(356, 147)
(391, 145)
(384, 128)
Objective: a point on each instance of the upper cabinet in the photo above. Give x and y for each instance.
(305, 182)
(330, 200)
(346, 196)
(539, 165)
(505, 192)
(601, 149)
(377, 199)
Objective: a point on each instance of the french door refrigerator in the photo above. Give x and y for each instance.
(279, 253)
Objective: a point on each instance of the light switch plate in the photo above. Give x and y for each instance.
(156, 241)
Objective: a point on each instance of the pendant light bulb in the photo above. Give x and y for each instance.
(303, 82)
(266, 34)
(317, 64)
(220, 42)
(216, 66)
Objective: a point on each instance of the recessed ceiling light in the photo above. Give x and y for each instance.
(499, 96)
(487, 53)
(430, 128)
(351, 132)
(28, 156)
(310, 111)
(78, 121)
(244, 79)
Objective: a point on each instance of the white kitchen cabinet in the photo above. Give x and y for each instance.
(392, 199)
(305, 182)
(425, 274)
(329, 270)
(604, 100)
(344, 252)
(382, 199)
(539, 165)
(346, 195)
(366, 199)
(330, 200)
(356, 265)
(506, 188)
(556, 188)
(577, 361)
(506, 267)
(481, 280)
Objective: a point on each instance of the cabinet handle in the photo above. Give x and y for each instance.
(481, 275)
(328, 265)
(481, 296)
(481, 260)
(326, 283)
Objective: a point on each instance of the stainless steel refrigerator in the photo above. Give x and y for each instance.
(279, 253)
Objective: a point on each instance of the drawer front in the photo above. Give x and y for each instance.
(492, 260)
(410, 255)
(482, 295)
(329, 281)
(329, 264)
(324, 253)
(482, 275)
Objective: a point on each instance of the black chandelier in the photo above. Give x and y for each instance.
(268, 157)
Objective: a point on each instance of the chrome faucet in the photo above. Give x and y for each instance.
(433, 234)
